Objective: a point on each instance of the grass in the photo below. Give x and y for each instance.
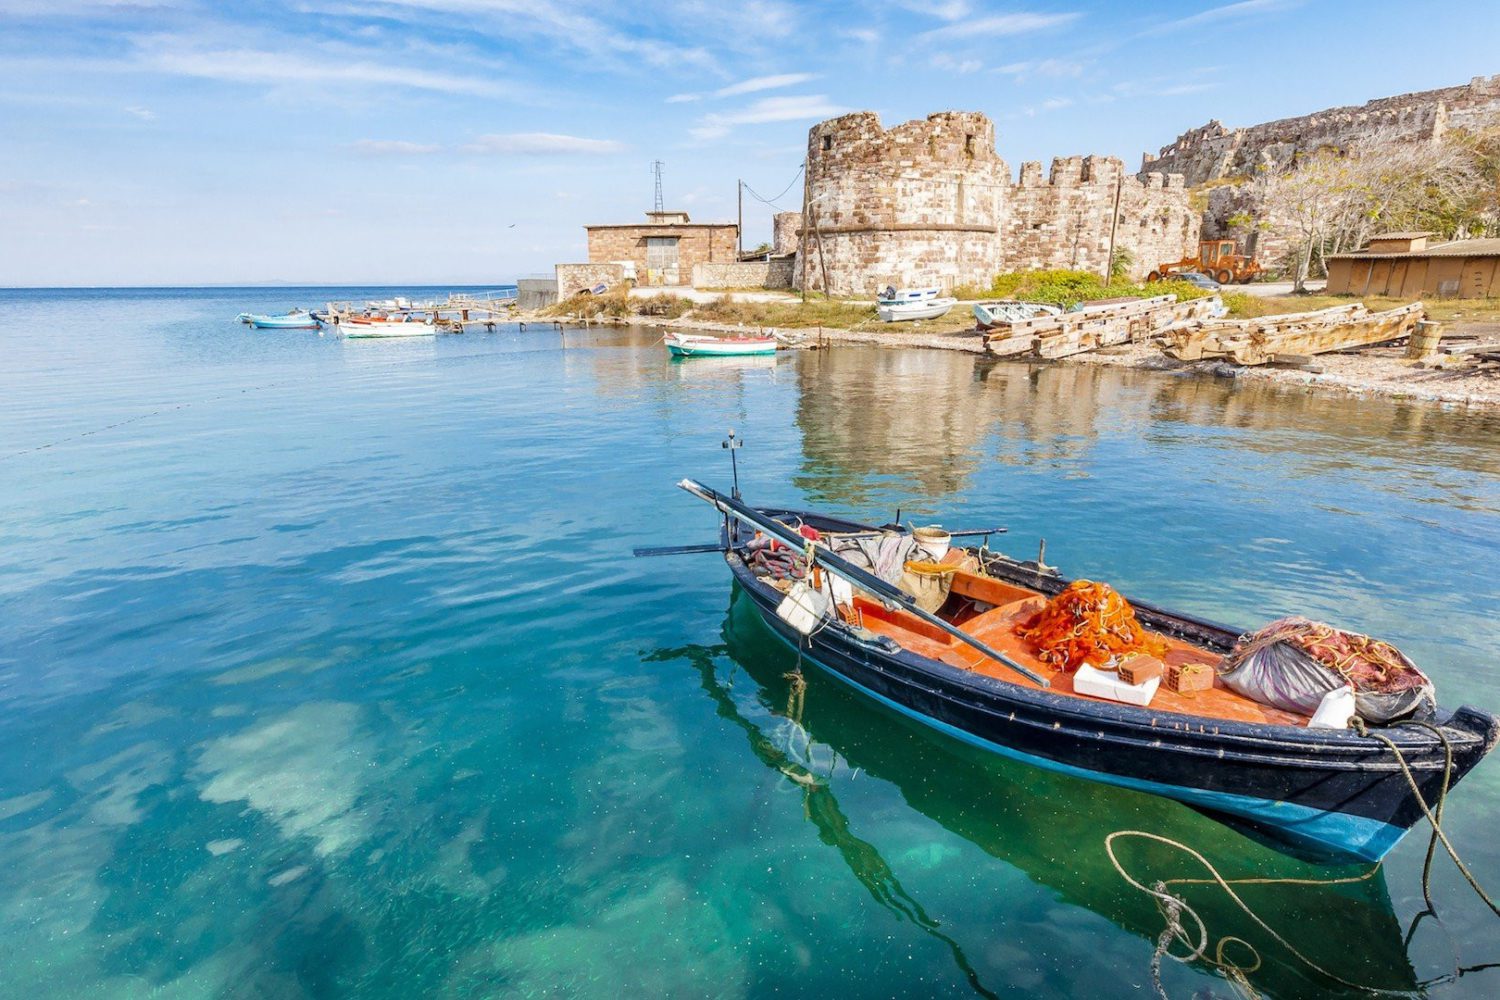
(1245, 306)
(614, 304)
(817, 311)
(1068, 288)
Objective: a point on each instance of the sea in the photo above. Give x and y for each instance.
(326, 669)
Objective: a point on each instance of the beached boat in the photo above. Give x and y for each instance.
(989, 315)
(294, 320)
(897, 312)
(891, 295)
(359, 327)
(964, 671)
(688, 345)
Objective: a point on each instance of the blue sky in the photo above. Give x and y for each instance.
(467, 141)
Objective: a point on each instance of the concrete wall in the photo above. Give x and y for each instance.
(536, 293)
(574, 278)
(751, 274)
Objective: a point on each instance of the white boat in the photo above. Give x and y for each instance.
(898, 312)
(297, 319)
(358, 328)
(689, 345)
(1007, 311)
(892, 295)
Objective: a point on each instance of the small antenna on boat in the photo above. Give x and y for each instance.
(733, 444)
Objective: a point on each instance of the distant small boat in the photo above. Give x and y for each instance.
(297, 319)
(1007, 311)
(898, 312)
(358, 327)
(893, 295)
(687, 345)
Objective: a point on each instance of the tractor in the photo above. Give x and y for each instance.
(1216, 258)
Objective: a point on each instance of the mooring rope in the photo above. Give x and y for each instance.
(1173, 906)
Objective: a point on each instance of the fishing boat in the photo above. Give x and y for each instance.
(688, 345)
(359, 327)
(897, 312)
(964, 671)
(297, 319)
(989, 315)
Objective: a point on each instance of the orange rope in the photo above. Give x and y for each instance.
(1087, 623)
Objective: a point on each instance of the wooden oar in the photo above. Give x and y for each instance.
(864, 580)
(680, 550)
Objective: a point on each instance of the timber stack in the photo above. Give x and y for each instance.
(1295, 335)
(1101, 325)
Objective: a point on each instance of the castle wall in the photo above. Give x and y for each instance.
(1065, 220)
(786, 229)
(1212, 152)
(931, 203)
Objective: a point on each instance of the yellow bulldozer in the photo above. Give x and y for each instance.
(1219, 259)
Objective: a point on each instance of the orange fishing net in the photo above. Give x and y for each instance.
(1087, 623)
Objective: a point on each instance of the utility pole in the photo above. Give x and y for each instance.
(1114, 223)
(739, 225)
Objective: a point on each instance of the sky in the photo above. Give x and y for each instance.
(165, 142)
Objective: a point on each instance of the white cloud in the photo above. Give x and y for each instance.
(750, 86)
(397, 147)
(542, 143)
(943, 10)
(1053, 68)
(1245, 8)
(279, 68)
(144, 114)
(997, 25)
(1056, 103)
(868, 36)
(767, 109)
(943, 60)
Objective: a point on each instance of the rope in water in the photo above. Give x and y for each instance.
(1173, 906)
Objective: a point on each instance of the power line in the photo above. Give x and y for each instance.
(772, 201)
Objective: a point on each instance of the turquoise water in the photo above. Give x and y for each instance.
(325, 670)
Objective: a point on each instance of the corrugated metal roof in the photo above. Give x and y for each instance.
(1457, 248)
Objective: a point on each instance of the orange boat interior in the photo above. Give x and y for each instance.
(989, 610)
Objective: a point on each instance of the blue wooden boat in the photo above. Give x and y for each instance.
(294, 320)
(964, 672)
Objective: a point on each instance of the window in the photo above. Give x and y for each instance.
(828, 142)
(969, 144)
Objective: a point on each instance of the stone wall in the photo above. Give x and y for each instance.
(1213, 152)
(1066, 219)
(786, 230)
(696, 244)
(575, 278)
(749, 274)
(930, 202)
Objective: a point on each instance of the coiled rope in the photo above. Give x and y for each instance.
(1173, 906)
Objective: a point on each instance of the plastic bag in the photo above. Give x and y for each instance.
(1293, 663)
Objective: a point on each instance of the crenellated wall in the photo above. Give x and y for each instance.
(930, 202)
(1213, 152)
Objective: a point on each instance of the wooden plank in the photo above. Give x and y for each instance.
(1377, 328)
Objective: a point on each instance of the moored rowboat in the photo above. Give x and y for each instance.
(966, 673)
(988, 315)
(687, 345)
(360, 328)
(294, 320)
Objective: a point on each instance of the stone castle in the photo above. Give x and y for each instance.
(1213, 152)
(930, 202)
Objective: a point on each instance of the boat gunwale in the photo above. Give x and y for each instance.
(1334, 748)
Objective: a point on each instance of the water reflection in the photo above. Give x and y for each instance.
(1050, 827)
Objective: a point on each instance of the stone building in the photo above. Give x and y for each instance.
(930, 202)
(664, 250)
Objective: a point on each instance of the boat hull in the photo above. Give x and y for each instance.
(305, 322)
(372, 331)
(713, 347)
(1330, 791)
(906, 311)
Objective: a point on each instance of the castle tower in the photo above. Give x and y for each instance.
(916, 205)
